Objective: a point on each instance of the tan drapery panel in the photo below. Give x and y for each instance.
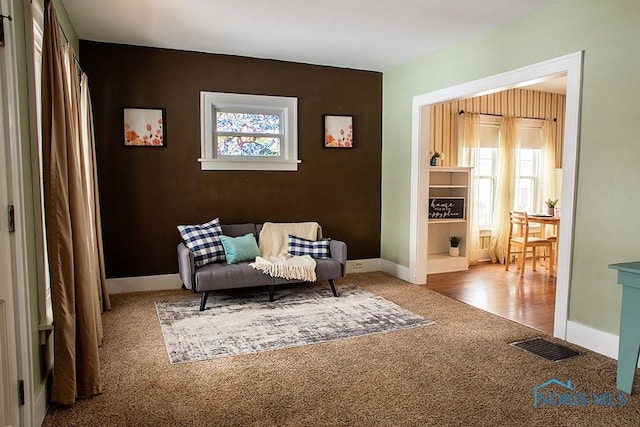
(509, 144)
(468, 150)
(88, 143)
(72, 253)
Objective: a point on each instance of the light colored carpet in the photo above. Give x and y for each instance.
(459, 372)
(245, 321)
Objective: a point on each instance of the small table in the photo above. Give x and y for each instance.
(545, 220)
(629, 344)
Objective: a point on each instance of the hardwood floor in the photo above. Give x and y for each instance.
(529, 300)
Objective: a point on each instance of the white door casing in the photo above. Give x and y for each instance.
(569, 65)
(9, 406)
(15, 318)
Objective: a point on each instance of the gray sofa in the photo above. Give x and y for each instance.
(220, 275)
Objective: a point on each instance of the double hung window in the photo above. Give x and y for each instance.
(528, 169)
(527, 180)
(486, 185)
(248, 132)
(487, 170)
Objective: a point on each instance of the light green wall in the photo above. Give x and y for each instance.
(22, 25)
(606, 227)
(67, 27)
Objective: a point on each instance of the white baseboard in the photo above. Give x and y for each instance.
(40, 405)
(363, 265)
(159, 282)
(601, 342)
(396, 270)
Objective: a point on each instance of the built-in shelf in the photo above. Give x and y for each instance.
(450, 221)
(444, 263)
(448, 182)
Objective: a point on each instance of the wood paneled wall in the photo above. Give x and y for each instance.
(512, 102)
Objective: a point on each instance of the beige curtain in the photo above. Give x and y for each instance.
(88, 144)
(71, 242)
(468, 150)
(547, 185)
(507, 150)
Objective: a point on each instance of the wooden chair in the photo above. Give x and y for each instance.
(524, 243)
(553, 238)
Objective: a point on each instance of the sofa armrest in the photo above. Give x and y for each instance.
(186, 267)
(338, 250)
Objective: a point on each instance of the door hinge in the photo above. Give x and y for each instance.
(12, 219)
(2, 18)
(21, 392)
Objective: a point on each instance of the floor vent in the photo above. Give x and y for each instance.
(546, 349)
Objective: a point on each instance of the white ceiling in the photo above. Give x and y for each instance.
(372, 35)
(557, 85)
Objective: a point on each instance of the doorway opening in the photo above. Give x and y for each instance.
(569, 66)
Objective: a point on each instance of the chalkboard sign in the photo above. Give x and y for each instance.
(446, 208)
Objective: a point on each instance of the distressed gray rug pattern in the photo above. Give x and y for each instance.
(244, 322)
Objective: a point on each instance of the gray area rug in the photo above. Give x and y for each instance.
(243, 322)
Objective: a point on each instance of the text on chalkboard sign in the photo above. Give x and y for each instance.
(446, 208)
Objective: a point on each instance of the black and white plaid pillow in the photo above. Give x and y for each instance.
(204, 241)
(297, 246)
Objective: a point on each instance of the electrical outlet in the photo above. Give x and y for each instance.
(357, 265)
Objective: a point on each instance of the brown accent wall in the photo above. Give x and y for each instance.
(146, 192)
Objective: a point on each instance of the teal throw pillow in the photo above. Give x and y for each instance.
(242, 248)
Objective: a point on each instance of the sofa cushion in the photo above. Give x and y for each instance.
(204, 241)
(241, 248)
(297, 246)
(218, 275)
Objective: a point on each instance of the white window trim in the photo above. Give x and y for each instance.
(35, 37)
(287, 107)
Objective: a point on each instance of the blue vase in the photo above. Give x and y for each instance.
(434, 161)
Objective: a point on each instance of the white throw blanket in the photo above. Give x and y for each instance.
(275, 260)
(290, 268)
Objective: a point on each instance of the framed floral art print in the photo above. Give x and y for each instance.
(338, 131)
(144, 127)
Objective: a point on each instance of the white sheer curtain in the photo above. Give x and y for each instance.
(507, 150)
(468, 150)
(547, 184)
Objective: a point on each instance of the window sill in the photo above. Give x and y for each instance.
(249, 165)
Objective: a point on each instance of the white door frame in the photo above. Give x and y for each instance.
(9, 406)
(20, 319)
(569, 65)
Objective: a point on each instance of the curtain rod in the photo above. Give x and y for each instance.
(500, 115)
(75, 57)
(64, 34)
